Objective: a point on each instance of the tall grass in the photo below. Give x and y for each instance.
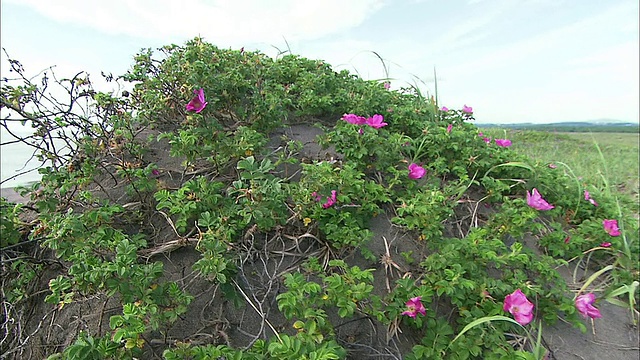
(604, 160)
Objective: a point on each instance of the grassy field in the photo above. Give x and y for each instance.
(600, 159)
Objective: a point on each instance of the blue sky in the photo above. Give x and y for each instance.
(511, 60)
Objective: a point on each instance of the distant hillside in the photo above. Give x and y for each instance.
(584, 126)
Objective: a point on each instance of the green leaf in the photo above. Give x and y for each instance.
(482, 321)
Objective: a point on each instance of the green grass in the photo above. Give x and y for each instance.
(618, 163)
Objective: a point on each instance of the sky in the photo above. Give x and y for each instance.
(513, 61)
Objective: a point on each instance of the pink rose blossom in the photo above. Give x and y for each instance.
(198, 102)
(444, 109)
(330, 200)
(387, 85)
(606, 244)
(519, 306)
(487, 139)
(415, 307)
(535, 200)
(467, 109)
(584, 304)
(416, 171)
(449, 128)
(354, 119)
(587, 197)
(376, 121)
(503, 142)
(611, 227)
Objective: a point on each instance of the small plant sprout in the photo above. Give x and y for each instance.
(387, 261)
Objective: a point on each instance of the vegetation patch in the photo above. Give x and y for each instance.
(231, 205)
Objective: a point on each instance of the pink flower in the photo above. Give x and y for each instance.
(552, 166)
(416, 171)
(486, 139)
(519, 306)
(155, 172)
(449, 128)
(536, 201)
(584, 304)
(606, 244)
(330, 200)
(316, 196)
(503, 142)
(481, 134)
(467, 109)
(387, 85)
(444, 109)
(198, 102)
(611, 227)
(415, 307)
(587, 197)
(354, 119)
(376, 122)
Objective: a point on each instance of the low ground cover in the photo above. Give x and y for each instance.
(231, 205)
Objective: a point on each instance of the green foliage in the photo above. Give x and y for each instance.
(87, 347)
(10, 224)
(106, 260)
(232, 187)
(298, 348)
(475, 271)
(348, 289)
(358, 199)
(425, 210)
(618, 164)
(261, 195)
(193, 198)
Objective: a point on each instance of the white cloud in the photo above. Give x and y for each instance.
(469, 31)
(219, 21)
(576, 59)
(570, 40)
